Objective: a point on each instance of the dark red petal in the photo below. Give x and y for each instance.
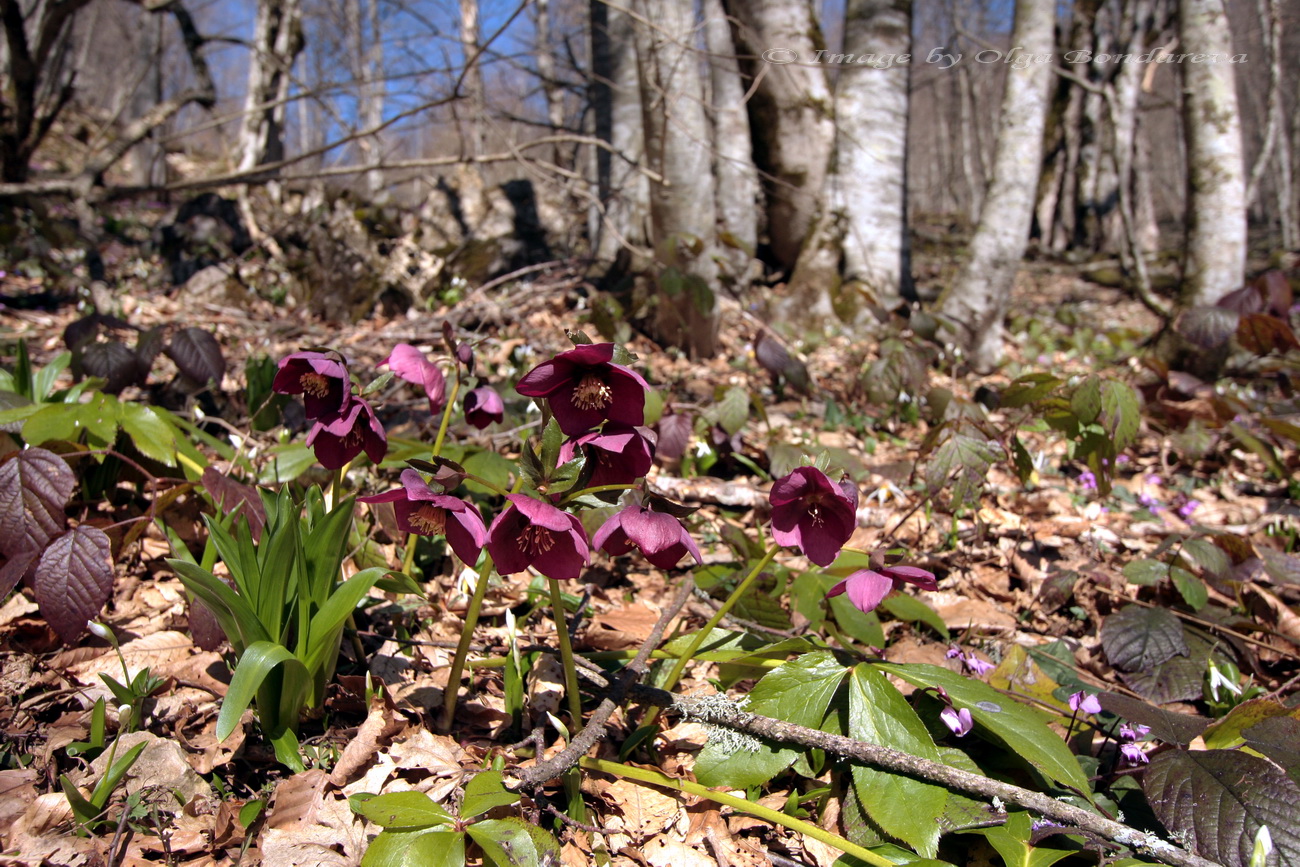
(913, 575)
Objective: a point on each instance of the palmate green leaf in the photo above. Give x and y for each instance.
(152, 436)
(485, 791)
(1011, 840)
(416, 849)
(400, 810)
(1218, 799)
(1028, 389)
(1022, 729)
(960, 466)
(514, 842)
(1120, 413)
(798, 692)
(904, 808)
(256, 662)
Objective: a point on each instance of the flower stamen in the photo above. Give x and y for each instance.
(429, 520)
(315, 384)
(536, 540)
(592, 393)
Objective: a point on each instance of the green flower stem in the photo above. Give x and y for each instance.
(449, 696)
(700, 637)
(619, 656)
(491, 487)
(446, 415)
(566, 657)
(598, 489)
(776, 817)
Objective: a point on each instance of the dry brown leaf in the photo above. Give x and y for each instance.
(17, 793)
(311, 825)
(622, 628)
(663, 851)
(643, 811)
(381, 723)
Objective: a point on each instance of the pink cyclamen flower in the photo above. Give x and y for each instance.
(1133, 731)
(1186, 509)
(953, 652)
(321, 378)
(811, 513)
(584, 388)
(868, 587)
(621, 454)
(347, 435)
(1082, 701)
(483, 406)
(959, 721)
(659, 536)
(1088, 480)
(978, 667)
(409, 364)
(533, 533)
(421, 511)
(1134, 754)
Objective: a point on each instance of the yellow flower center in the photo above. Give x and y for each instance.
(429, 520)
(315, 384)
(536, 540)
(592, 393)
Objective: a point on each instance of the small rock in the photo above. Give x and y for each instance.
(162, 765)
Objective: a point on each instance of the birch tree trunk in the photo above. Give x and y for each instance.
(791, 114)
(978, 301)
(870, 177)
(622, 189)
(277, 42)
(367, 56)
(1215, 257)
(473, 77)
(678, 145)
(738, 190)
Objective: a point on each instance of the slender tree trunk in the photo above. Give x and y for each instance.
(277, 42)
(476, 144)
(366, 54)
(1216, 202)
(739, 195)
(623, 190)
(978, 301)
(678, 149)
(791, 114)
(870, 175)
(551, 87)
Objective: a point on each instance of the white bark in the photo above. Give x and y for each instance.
(1216, 203)
(277, 41)
(473, 77)
(738, 189)
(623, 190)
(791, 115)
(679, 148)
(869, 184)
(978, 301)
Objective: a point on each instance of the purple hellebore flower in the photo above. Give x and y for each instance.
(867, 587)
(978, 667)
(811, 513)
(622, 454)
(959, 721)
(1134, 754)
(660, 537)
(483, 406)
(347, 435)
(1082, 701)
(584, 387)
(419, 510)
(409, 364)
(533, 533)
(321, 379)
(1133, 731)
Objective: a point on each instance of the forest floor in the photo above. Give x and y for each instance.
(1037, 562)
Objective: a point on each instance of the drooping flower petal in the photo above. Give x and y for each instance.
(811, 513)
(422, 511)
(409, 363)
(959, 721)
(621, 454)
(483, 406)
(1085, 702)
(659, 536)
(322, 380)
(347, 435)
(584, 388)
(533, 533)
(866, 589)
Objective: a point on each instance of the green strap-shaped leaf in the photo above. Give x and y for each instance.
(1022, 729)
(904, 808)
(514, 842)
(327, 625)
(114, 774)
(416, 849)
(254, 665)
(484, 792)
(236, 618)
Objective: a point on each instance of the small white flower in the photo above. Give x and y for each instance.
(1217, 679)
(1263, 847)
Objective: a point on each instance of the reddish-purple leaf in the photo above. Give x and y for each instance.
(197, 355)
(674, 435)
(34, 490)
(230, 495)
(1262, 334)
(115, 363)
(74, 579)
(1276, 291)
(1216, 800)
(1244, 300)
(15, 568)
(1138, 639)
(1165, 725)
(204, 628)
(1207, 327)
